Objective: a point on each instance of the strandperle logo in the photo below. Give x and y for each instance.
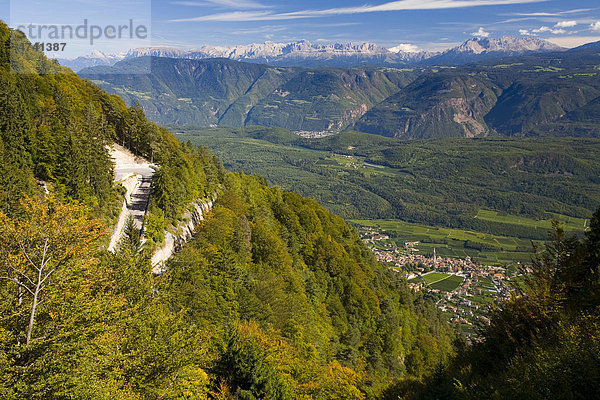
(85, 31)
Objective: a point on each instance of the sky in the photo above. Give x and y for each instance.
(411, 24)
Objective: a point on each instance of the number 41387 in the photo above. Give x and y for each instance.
(47, 46)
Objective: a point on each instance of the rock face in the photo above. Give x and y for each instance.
(441, 105)
(306, 54)
(181, 234)
(485, 48)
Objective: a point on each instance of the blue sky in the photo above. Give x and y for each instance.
(423, 24)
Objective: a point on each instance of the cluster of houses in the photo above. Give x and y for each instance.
(491, 282)
(314, 134)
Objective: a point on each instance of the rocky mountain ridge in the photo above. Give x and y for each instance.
(306, 54)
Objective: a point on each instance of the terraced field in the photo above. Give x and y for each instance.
(433, 277)
(568, 223)
(439, 280)
(449, 284)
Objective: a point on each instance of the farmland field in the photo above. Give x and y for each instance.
(382, 180)
(433, 277)
(486, 284)
(569, 223)
(449, 284)
(456, 243)
(439, 280)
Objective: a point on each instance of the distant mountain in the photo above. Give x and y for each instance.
(306, 54)
(588, 46)
(553, 94)
(409, 54)
(548, 93)
(301, 53)
(94, 59)
(477, 49)
(230, 93)
(160, 51)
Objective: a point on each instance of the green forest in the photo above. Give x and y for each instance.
(275, 298)
(444, 182)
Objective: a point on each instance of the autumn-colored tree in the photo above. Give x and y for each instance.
(60, 313)
(37, 249)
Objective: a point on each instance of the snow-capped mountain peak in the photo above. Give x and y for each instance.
(506, 44)
(305, 53)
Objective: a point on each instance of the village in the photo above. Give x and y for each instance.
(462, 289)
(314, 134)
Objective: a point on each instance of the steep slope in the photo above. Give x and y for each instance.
(276, 298)
(583, 121)
(588, 46)
(545, 94)
(532, 103)
(437, 105)
(230, 93)
(185, 91)
(323, 100)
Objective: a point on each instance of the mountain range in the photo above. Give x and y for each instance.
(230, 93)
(549, 93)
(306, 54)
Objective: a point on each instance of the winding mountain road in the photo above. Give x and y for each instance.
(135, 174)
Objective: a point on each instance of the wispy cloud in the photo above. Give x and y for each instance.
(234, 16)
(238, 4)
(595, 27)
(481, 33)
(402, 5)
(553, 14)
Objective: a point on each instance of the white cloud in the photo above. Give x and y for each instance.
(525, 32)
(481, 33)
(400, 5)
(405, 47)
(595, 26)
(546, 29)
(565, 24)
(239, 4)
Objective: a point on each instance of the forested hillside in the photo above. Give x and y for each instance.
(276, 298)
(553, 94)
(543, 343)
(546, 94)
(230, 93)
